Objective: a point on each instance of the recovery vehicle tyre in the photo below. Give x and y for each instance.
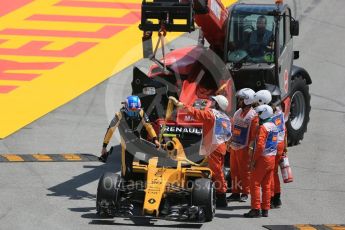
(204, 195)
(107, 192)
(299, 112)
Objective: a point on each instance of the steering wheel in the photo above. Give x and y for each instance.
(237, 56)
(248, 28)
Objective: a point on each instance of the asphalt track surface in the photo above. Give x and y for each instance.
(62, 195)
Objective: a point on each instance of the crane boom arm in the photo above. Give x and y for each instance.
(213, 22)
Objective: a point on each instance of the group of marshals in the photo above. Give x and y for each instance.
(254, 136)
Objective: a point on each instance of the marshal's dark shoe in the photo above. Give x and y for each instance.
(221, 201)
(234, 197)
(253, 213)
(264, 213)
(275, 201)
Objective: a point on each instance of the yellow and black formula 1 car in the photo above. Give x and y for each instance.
(169, 187)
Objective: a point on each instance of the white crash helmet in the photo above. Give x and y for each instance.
(221, 101)
(263, 97)
(247, 94)
(264, 111)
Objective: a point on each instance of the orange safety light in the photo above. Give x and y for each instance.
(279, 1)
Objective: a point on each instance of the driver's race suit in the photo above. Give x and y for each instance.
(129, 128)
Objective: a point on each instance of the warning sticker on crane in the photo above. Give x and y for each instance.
(286, 81)
(216, 9)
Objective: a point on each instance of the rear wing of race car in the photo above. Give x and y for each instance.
(170, 15)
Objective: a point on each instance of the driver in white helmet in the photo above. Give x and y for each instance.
(216, 132)
(244, 125)
(264, 97)
(262, 163)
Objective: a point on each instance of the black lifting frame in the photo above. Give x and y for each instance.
(158, 15)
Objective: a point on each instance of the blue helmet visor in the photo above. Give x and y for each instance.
(132, 113)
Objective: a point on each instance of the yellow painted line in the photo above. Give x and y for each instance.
(71, 157)
(25, 71)
(89, 12)
(335, 226)
(13, 43)
(76, 74)
(42, 157)
(70, 26)
(305, 227)
(58, 45)
(2, 82)
(32, 58)
(13, 157)
(65, 157)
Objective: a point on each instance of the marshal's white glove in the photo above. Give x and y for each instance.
(176, 102)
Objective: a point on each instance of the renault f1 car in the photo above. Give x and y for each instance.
(169, 186)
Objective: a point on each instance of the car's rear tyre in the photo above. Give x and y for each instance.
(299, 112)
(107, 193)
(204, 195)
